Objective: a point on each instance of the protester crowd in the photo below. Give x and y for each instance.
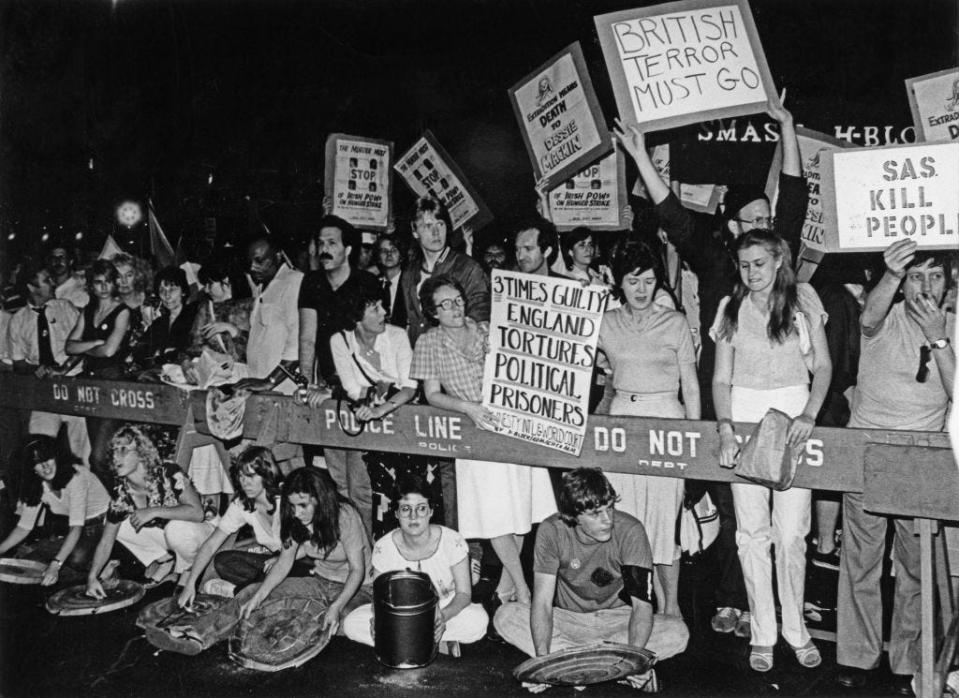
(381, 321)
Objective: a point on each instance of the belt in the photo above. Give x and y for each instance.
(644, 397)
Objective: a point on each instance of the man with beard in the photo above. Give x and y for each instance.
(323, 312)
(68, 285)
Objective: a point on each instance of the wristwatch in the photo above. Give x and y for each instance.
(940, 343)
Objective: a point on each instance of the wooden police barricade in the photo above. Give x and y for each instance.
(879, 463)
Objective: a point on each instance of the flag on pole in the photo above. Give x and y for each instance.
(160, 246)
(110, 249)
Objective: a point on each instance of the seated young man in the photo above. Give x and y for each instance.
(592, 581)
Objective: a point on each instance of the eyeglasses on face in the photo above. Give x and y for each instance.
(759, 221)
(449, 303)
(405, 511)
(925, 353)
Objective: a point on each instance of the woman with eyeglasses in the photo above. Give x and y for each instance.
(155, 512)
(495, 501)
(71, 494)
(440, 552)
(769, 338)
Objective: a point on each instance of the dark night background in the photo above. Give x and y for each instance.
(161, 95)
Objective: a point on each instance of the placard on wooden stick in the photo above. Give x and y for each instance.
(593, 197)
(685, 62)
(359, 179)
(887, 194)
(428, 170)
(559, 116)
(934, 101)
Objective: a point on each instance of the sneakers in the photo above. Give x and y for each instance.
(220, 587)
(742, 628)
(725, 620)
(827, 561)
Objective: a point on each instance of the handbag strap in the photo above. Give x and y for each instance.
(356, 360)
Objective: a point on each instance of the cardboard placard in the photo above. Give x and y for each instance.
(428, 170)
(685, 62)
(594, 197)
(359, 179)
(886, 194)
(559, 116)
(543, 333)
(934, 101)
(812, 145)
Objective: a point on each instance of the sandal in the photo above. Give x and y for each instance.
(760, 658)
(476, 568)
(808, 655)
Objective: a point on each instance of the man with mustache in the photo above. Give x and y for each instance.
(322, 314)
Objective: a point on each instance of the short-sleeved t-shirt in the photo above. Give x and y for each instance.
(762, 363)
(589, 574)
(237, 516)
(330, 306)
(645, 354)
(83, 498)
(451, 550)
(887, 394)
(335, 566)
(165, 483)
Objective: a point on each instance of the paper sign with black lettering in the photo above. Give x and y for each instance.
(429, 171)
(887, 194)
(934, 100)
(543, 333)
(812, 145)
(559, 116)
(685, 62)
(594, 197)
(358, 179)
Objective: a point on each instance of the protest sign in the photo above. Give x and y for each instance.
(593, 197)
(428, 170)
(886, 194)
(659, 154)
(812, 145)
(559, 116)
(684, 62)
(543, 333)
(358, 179)
(934, 100)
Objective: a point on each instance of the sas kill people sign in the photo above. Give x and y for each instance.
(359, 179)
(543, 333)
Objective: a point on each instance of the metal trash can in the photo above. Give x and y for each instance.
(404, 612)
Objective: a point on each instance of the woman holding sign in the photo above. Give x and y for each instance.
(497, 501)
(650, 349)
(769, 337)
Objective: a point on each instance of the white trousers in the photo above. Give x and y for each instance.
(48, 424)
(149, 544)
(785, 528)
(467, 626)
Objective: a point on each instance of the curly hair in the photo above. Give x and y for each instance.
(144, 446)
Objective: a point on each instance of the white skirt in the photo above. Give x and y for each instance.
(654, 500)
(496, 499)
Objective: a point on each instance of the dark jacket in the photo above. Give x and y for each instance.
(457, 265)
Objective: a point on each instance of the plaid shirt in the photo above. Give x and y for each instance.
(460, 373)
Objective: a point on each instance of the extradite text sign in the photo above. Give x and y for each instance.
(934, 100)
(428, 170)
(593, 197)
(685, 62)
(543, 333)
(559, 116)
(358, 179)
(887, 194)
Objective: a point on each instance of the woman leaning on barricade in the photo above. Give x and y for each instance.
(769, 339)
(495, 501)
(70, 494)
